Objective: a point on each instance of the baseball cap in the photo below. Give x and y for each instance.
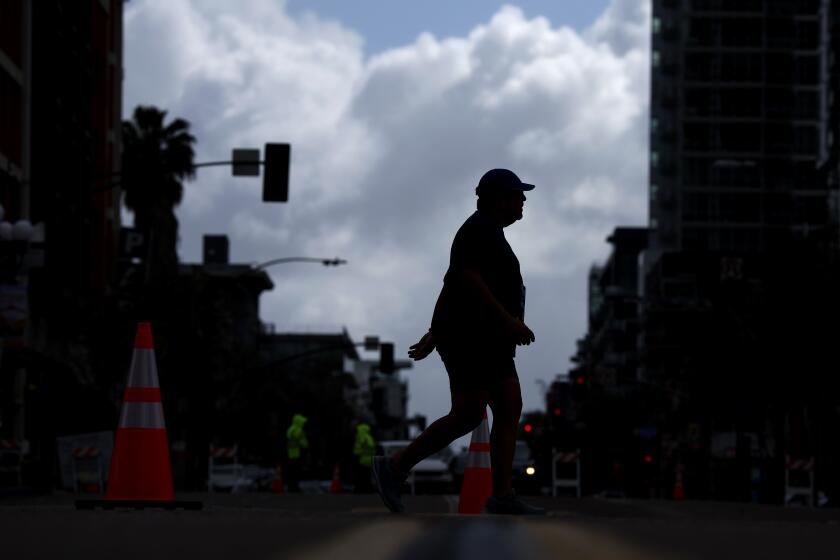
(499, 181)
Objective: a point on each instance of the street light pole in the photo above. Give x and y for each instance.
(326, 262)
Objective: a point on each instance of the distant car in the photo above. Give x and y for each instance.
(237, 477)
(525, 475)
(431, 475)
(229, 478)
(525, 479)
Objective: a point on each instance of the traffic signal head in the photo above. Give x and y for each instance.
(276, 173)
(386, 357)
(528, 428)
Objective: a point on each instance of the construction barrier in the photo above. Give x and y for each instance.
(88, 469)
(799, 481)
(565, 458)
(223, 469)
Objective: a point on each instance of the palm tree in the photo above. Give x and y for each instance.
(157, 158)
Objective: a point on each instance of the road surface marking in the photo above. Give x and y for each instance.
(379, 540)
(562, 540)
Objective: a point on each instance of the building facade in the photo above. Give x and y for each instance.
(60, 121)
(743, 238)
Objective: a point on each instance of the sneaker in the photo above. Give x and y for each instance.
(510, 505)
(388, 483)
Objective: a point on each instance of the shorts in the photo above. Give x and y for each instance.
(471, 371)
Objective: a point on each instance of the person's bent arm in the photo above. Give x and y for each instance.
(428, 343)
(512, 325)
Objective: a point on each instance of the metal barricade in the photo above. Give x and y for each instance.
(223, 469)
(565, 458)
(88, 470)
(799, 481)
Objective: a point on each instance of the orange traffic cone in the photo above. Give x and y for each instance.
(277, 483)
(478, 479)
(679, 491)
(335, 487)
(140, 474)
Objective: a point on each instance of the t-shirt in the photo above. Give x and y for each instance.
(464, 321)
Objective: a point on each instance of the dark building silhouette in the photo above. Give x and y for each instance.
(730, 372)
(60, 108)
(614, 312)
(743, 240)
(603, 395)
(15, 98)
(207, 349)
(736, 118)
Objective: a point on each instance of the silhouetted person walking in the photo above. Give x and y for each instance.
(476, 326)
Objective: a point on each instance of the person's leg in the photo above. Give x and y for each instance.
(467, 412)
(506, 403)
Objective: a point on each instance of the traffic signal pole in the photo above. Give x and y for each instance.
(245, 162)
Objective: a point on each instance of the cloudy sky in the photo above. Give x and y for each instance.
(394, 110)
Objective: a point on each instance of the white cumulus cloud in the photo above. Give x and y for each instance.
(386, 152)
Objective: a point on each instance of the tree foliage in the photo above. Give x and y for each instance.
(157, 159)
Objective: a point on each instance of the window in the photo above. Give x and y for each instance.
(740, 208)
(699, 207)
(807, 34)
(780, 68)
(781, 31)
(696, 172)
(735, 173)
(780, 102)
(806, 104)
(810, 209)
(807, 70)
(805, 140)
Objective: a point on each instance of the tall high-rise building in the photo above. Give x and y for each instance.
(736, 124)
(742, 213)
(738, 130)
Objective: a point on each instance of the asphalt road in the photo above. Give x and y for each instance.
(357, 526)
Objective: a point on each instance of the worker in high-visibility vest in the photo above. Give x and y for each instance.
(364, 448)
(296, 442)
